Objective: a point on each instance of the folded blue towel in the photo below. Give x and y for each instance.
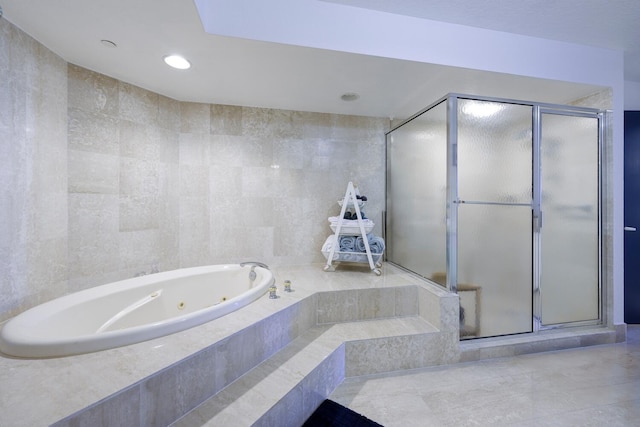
(353, 215)
(347, 243)
(376, 244)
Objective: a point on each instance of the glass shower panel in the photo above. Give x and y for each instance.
(494, 269)
(495, 243)
(569, 235)
(494, 152)
(416, 194)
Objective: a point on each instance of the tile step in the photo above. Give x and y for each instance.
(293, 382)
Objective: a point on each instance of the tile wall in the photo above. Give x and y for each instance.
(105, 180)
(157, 182)
(33, 172)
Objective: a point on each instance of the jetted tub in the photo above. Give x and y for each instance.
(133, 310)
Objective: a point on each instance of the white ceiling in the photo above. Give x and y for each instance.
(612, 24)
(255, 73)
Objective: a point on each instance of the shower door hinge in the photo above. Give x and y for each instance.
(538, 220)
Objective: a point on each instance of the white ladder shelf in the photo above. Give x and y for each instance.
(350, 197)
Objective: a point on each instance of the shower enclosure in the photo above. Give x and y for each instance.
(498, 200)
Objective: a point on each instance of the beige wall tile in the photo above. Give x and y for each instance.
(93, 234)
(169, 114)
(138, 105)
(33, 128)
(91, 172)
(93, 92)
(91, 131)
(195, 118)
(226, 120)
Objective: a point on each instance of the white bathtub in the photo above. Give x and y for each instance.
(132, 310)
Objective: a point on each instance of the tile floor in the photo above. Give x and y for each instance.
(591, 386)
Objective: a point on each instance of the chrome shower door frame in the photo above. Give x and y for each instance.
(451, 214)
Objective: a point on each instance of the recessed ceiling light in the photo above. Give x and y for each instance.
(108, 43)
(177, 61)
(349, 96)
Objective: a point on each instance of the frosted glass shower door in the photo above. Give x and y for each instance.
(417, 194)
(495, 240)
(569, 282)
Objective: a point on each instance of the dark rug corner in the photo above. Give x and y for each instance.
(332, 414)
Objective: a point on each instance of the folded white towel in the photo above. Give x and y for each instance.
(328, 243)
(326, 247)
(334, 220)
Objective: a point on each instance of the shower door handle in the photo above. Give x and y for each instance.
(629, 229)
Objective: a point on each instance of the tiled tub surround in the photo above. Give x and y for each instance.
(293, 351)
(156, 382)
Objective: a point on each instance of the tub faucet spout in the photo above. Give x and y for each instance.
(253, 264)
